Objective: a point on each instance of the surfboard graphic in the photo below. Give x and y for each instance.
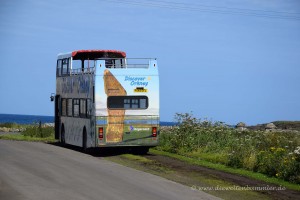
(115, 119)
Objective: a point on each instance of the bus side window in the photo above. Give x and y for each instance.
(76, 107)
(89, 63)
(83, 108)
(70, 108)
(76, 66)
(58, 68)
(64, 107)
(65, 66)
(88, 108)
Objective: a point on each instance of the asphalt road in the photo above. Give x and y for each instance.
(30, 170)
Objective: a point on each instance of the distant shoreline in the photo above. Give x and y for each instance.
(32, 119)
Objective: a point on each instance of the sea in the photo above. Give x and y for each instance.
(33, 119)
(25, 119)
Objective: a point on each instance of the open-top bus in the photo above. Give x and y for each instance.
(105, 99)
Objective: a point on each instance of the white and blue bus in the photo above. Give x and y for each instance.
(105, 99)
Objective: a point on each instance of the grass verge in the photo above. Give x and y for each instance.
(21, 137)
(220, 167)
(137, 158)
(182, 175)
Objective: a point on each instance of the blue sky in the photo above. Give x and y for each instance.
(225, 60)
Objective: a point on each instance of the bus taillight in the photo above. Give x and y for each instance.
(100, 131)
(154, 131)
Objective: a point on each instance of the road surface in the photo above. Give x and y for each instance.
(30, 170)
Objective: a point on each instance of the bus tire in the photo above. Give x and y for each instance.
(84, 140)
(62, 135)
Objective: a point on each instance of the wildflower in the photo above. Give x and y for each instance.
(297, 150)
(280, 150)
(272, 148)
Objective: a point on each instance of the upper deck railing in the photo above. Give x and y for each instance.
(127, 65)
(128, 62)
(89, 70)
(90, 65)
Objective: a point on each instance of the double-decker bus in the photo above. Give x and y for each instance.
(105, 99)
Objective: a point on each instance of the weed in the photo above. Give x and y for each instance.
(276, 154)
(37, 130)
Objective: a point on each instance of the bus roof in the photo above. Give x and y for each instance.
(92, 54)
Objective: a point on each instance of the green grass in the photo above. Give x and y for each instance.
(137, 158)
(224, 168)
(39, 132)
(21, 137)
(33, 133)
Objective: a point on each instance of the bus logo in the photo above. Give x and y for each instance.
(140, 89)
(131, 128)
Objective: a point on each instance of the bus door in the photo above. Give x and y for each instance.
(57, 116)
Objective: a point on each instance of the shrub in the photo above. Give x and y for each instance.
(273, 153)
(38, 131)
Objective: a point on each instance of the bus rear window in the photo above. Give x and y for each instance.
(114, 63)
(127, 102)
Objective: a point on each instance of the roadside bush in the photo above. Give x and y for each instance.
(38, 131)
(273, 153)
(269, 162)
